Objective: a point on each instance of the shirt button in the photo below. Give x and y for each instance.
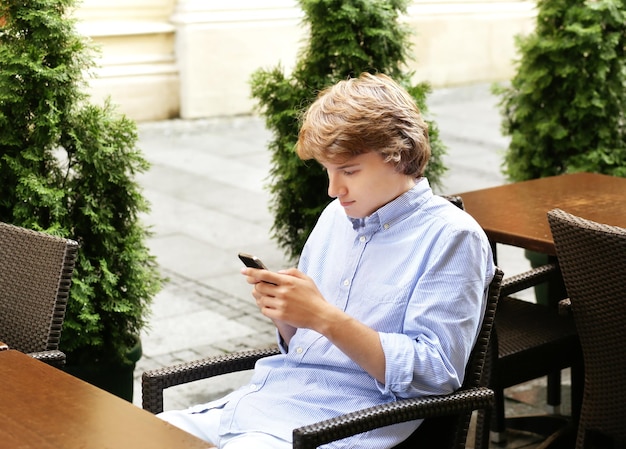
(346, 282)
(299, 350)
(386, 226)
(362, 238)
(253, 387)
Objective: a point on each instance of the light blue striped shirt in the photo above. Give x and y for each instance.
(417, 271)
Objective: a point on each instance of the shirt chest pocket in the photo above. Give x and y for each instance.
(385, 294)
(381, 306)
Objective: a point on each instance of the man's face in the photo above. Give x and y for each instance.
(364, 183)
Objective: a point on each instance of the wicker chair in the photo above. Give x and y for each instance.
(592, 257)
(446, 418)
(35, 277)
(532, 341)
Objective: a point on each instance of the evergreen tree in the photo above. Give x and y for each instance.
(67, 168)
(564, 109)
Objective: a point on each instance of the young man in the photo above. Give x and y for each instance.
(390, 289)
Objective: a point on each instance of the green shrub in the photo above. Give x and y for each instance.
(346, 38)
(564, 108)
(67, 168)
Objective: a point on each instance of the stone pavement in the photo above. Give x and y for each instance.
(208, 202)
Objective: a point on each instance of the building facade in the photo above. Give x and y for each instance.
(192, 59)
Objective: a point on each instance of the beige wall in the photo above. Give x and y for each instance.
(193, 58)
(136, 66)
(464, 42)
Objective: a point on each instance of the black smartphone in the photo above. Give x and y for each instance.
(252, 261)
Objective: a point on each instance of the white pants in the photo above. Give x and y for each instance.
(204, 424)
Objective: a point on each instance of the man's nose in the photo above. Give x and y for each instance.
(334, 187)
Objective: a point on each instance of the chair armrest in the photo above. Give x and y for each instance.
(52, 357)
(461, 401)
(155, 381)
(527, 279)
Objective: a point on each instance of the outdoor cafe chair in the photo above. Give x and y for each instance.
(531, 341)
(35, 277)
(446, 417)
(592, 257)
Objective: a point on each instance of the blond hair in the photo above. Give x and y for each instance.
(365, 114)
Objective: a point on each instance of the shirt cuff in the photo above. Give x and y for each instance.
(399, 363)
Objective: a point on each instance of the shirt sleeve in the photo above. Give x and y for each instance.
(442, 319)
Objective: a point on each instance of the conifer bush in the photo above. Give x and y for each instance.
(565, 107)
(68, 168)
(345, 38)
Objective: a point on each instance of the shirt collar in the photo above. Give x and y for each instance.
(394, 211)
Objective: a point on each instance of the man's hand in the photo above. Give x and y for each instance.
(292, 300)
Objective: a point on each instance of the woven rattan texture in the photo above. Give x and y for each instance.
(592, 257)
(531, 341)
(35, 277)
(533, 337)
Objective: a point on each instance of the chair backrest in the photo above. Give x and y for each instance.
(35, 278)
(451, 431)
(592, 258)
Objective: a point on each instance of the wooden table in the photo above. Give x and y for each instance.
(515, 214)
(42, 407)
